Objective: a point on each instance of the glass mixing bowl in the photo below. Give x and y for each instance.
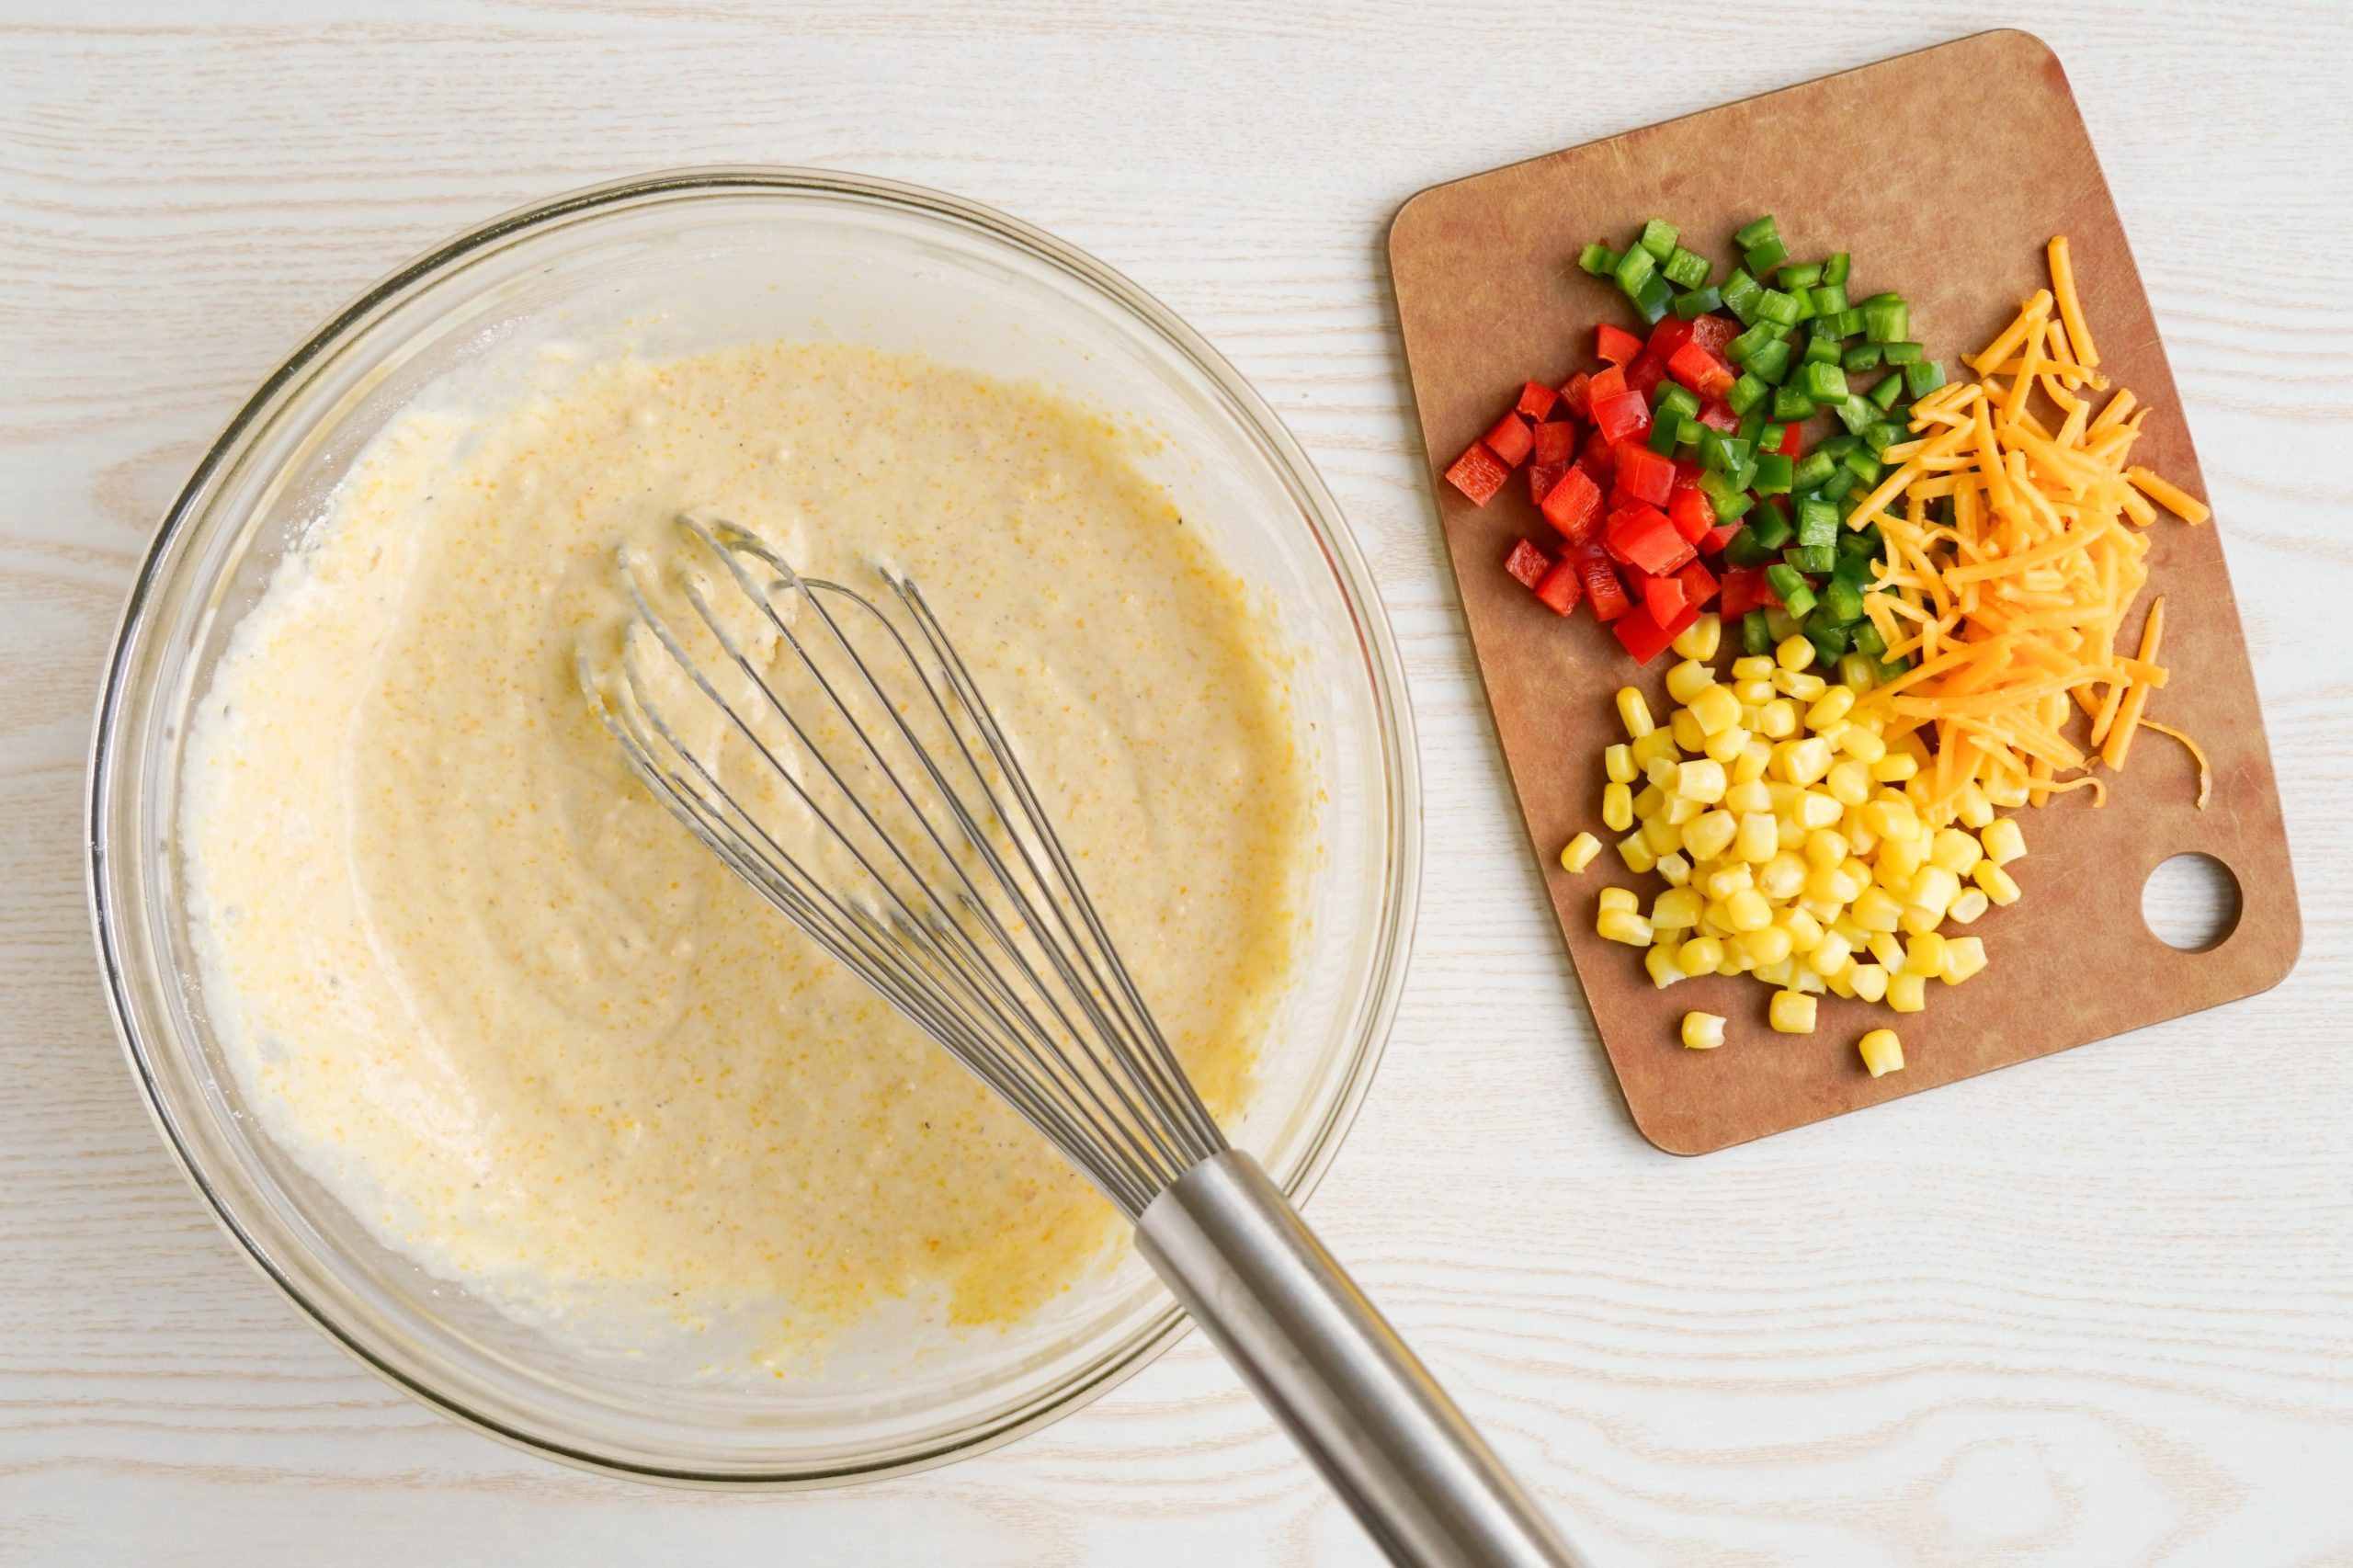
(672, 262)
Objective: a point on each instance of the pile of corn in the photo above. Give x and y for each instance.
(1778, 815)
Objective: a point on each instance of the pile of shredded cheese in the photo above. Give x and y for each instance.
(2012, 600)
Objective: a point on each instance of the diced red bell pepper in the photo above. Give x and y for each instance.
(1615, 346)
(1671, 333)
(1712, 332)
(1790, 442)
(1576, 395)
(1643, 538)
(1605, 382)
(1574, 505)
(1644, 376)
(1718, 537)
(1699, 370)
(1541, 477)
(1719, 417)
(1644, 637)
(1510, 439)
(1601, 583)
(1624, 417)
(1478, 473)
(1687, 471)
(1645, 474)
(1699, 584)
(1559, 590)
(1536, 399)
(1556, 442)
(1528, 563)
(1662, 596)
(1689, 510)
(1744, 590)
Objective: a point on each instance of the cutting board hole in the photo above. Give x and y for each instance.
(2191, 901)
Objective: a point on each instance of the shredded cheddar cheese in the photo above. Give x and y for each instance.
(2014, 556)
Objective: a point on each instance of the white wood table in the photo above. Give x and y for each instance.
(2094, 1309)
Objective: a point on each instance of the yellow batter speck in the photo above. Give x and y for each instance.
(497, 1000)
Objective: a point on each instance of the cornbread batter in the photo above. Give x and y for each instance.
(495, 999)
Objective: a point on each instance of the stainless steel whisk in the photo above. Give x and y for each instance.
(875, 799)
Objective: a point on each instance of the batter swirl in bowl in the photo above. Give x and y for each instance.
(498, 1001)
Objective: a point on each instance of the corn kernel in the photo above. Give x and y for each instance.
(1634, 712)
(1658, 742)
(1955, 851)
(1964, 955)
(1875, 909)
(1727, 881)
(1759, 838)
(1754, 758)
(1805, 931)
(1661, 771)
(1795, 654)
(1826, 847)
(1727, 745)
(1933, 891)
(1830, 708)
(1753, 667)
(1624, 926)
(1749, 795)
(1976, 811)
(1753, 693)
(1831, 953)
(1831, 884)
(1700, 955)
(1617, 807)
(1887, 951)
(1649, 801)
(1899, 860)
(1895, 768)
(1858, 672)
(1735, 963)
(1702, 1031)
(1637, 854)
(1842, 981)
(1890, 818)
(1767, 943)
(1821, 909)
(1803, 761)
(1870, 980)
(1578, 852)
(2007, 791)
(1687, 678)
(1882, 1052)
(1780, 973)
(1850, 782)
(1907, 993)
(1716, 708)
(1679, 811)
(1968, 906)
(1662, 834)
(1799, 686)
(1998, 885)
(1777, 719)
(1619, 898)
(1789, 831)
(1791, 1011)
(1924, 957)
(1675, 868)
(2004, 843)
(1917, 920)
(1701, 637)
(1747, 911)
(1782, 877)
(1803, 977)
(1677, 909)
(1702, 780)
(1707, 835)
(1862, 745)
(1664, 970)
(1685, 726)
(1818, 809)
(1617, 763)
(1834, 735)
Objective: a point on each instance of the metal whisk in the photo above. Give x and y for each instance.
(834, 750)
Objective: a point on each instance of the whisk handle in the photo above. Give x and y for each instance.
(1337, 1376)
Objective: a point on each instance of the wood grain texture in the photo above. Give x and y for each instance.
(1962, 230)
(2097, 1309)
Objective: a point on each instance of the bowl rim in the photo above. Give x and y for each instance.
(1401, 893)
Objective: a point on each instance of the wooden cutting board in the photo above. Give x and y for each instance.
(1944, 173)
